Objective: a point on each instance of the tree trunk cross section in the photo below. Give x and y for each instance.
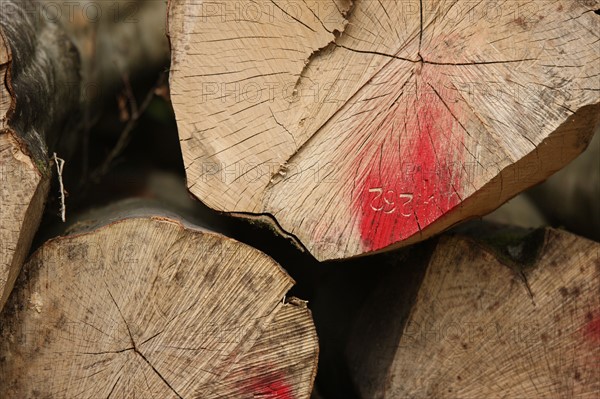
(366, 125)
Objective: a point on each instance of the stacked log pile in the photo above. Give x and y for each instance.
(295, 197)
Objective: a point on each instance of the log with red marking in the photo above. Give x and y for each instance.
(361, 126)
(139, 302)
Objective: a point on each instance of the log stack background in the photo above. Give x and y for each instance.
(244, 288)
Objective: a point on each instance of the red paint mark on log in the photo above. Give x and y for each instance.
(270, 388)
(413, 173)
(592, 330)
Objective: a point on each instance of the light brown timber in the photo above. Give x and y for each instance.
(137, 302)
(520, 318)
(364, 125)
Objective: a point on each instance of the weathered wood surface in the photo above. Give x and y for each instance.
(520, 320)
(139, 303)
(364, 125)
(39, 90)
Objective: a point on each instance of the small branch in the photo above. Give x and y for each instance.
(128, 92)
(60, 164)
(87, 123)
(126, 133)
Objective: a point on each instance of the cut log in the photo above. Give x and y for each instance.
(365, 125)
(519, 319)
(570, 198)
(39, 89)
(139, 303)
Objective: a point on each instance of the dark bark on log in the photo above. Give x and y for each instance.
(39, 93)
(42, 77)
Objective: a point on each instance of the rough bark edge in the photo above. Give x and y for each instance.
(42, 78)
(39, 68)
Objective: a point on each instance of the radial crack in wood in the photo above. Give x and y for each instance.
(366, 125)
(519, 319)
(39, 90)
(145, 307)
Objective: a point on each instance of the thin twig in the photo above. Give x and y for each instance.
(87, 124)
(60, 164)
(126, 133)
(129, 93)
